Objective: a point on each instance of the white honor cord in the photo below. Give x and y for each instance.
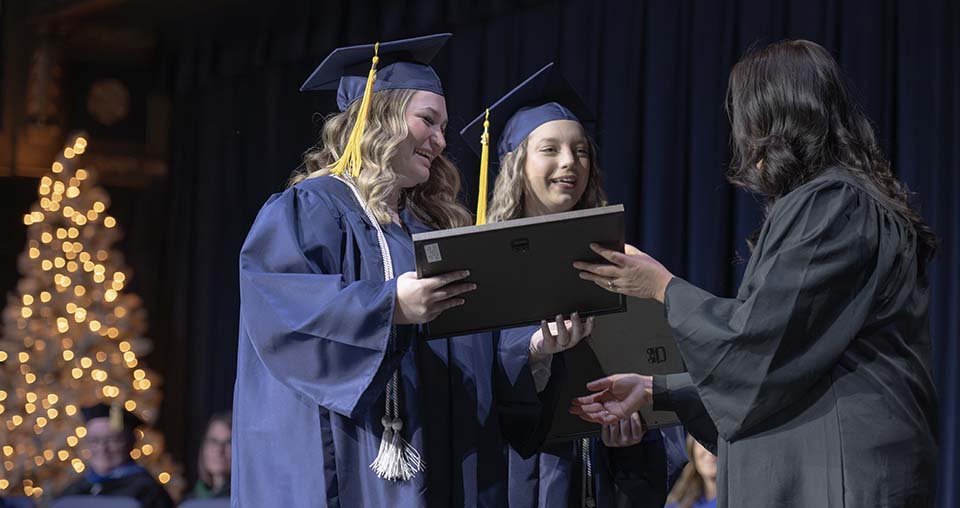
(397, 459)
(586, 480)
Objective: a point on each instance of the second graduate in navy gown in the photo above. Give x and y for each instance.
(548, 164)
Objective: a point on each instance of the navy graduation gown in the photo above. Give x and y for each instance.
(816, 375)
(315, 354)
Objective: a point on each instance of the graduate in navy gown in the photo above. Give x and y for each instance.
(816, 374)
(548, 164)
(339, 402)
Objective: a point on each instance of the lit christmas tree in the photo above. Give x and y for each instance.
(71, 338)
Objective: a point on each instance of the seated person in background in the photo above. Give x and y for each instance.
(213, 463)
(110, 471)
(697, 486)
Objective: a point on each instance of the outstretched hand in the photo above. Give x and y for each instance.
(617, 397)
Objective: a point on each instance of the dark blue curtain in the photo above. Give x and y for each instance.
(655, 72)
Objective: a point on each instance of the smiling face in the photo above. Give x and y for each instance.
(557, 167)
(108, 448)
(426, 118)
(216, 449)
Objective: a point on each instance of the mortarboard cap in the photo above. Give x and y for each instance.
(543, 97)
(405, 68)
(403, 64)
(120, 418)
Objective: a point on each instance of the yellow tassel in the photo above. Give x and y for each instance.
(351, 153)
(116, 417)
(484, 164)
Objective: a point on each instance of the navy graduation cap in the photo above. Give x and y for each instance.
(406, 67)
(543, 97)
(402, 64)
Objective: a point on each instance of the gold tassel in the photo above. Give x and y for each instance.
(351, 153)
(484, 165)
(116, 417)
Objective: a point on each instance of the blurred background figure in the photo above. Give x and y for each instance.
(213, 462)
(110, 470)
(697, 486)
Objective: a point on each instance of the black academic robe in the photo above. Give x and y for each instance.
(139, 485)
(816, 375)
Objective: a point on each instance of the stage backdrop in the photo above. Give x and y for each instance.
(655, 72)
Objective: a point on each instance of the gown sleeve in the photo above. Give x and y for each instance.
(677, 393)
(799, 307)
(320, 335)
(525, 413)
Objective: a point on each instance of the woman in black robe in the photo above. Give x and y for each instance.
(816, 375)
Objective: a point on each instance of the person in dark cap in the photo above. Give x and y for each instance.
(109, 469)
(339, 401)
(548, 164)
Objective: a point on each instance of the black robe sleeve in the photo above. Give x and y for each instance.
(677, 393)
(802, 301)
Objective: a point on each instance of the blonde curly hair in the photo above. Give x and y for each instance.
(511, 187)
(434, 202)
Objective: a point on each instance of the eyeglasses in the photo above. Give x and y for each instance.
(217, 442)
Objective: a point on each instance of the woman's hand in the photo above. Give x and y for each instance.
(618, 397)
(623, 433)
(569, 332)
(633, 273)
(422, 300)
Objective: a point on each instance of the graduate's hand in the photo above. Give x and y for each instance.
(618, 396)
(623, 433)
(631, 273)
(421, 300)
(562, 334)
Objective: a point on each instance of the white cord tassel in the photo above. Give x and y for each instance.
(397, 460)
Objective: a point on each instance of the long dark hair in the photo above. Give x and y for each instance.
(791, 114)
(226, 418)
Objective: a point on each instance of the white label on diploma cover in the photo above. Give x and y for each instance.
(432, 251)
